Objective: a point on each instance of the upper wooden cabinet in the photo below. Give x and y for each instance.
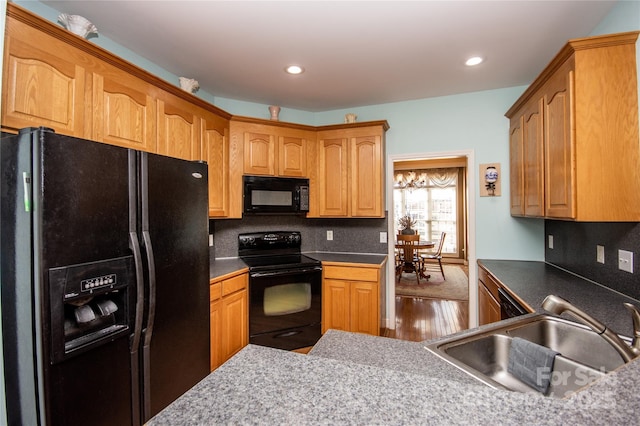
(44, 81)
(344, 163)
(273, 150)
(124, 114)
(56, 79)
(214, 132)
(178, 129)
(527, 161)
(350, 163)
(574, 132)
(259, 153)
(516, 165)
(333, 172)
(292, 155)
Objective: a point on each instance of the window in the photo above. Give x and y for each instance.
(434, 207)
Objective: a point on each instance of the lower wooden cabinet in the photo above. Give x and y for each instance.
(229, 316)
(351, 299)
(488, 298)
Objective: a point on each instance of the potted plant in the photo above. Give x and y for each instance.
(406, 225)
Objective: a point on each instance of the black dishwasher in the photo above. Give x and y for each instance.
(509, 307)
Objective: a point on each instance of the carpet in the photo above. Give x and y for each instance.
(456, 286)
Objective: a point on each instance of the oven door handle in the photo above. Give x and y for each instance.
(285, 272)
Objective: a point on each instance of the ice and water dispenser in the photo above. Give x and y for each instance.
(91, 304)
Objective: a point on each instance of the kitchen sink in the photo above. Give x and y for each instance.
(572, 340)
(584, 355)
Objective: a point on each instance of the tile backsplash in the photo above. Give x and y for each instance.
(349, 235)
(574, 249)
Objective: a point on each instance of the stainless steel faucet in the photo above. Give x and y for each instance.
(558, 305)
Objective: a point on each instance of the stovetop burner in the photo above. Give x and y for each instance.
(273, 250)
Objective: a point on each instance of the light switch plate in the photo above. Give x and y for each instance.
(210, 240)
(625, 260)
(600, 254)
(550, 241)
(383, 237)
(329, 235)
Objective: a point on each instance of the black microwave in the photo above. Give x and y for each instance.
(275, 195)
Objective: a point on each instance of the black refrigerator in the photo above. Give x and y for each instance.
(105, 280)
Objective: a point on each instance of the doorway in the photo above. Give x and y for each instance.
(468, 244)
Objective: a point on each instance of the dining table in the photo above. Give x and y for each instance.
(410, 250)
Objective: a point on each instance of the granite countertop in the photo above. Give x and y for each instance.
(351, 378)
(221, 267)
(262, 385)
(353, 258)
(533, 281)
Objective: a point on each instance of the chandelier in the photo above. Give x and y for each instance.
(410, 180)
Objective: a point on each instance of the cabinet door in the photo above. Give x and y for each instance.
(215, 323)
(235, 327)
(366, 176)
(335, 305)
(559, 146)
(123, 114)
(332, 180)
(292, 156)
(43, 83)
(516, 166)
(259, 154)
(488, 307)
(178, 129)
(533, 153)
(364, 308)
(215, 151)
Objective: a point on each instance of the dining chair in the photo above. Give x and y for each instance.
(428, 260)
(409, 260)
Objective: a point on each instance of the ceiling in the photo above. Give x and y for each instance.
(355, 53)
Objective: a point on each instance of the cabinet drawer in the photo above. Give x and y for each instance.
(351, 273)
(489, 282)
(234, 284)
(215, 291)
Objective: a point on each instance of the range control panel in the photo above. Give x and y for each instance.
(268, 242)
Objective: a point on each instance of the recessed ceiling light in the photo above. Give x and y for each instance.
(474, 61)
(294, 69)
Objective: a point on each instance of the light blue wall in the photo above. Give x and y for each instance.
(250, 109)
(471, 121)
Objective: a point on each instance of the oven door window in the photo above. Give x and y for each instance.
(287, 299)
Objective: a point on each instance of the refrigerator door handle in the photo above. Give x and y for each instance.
(146, 345)
(137, 259)
(151, 294)
(146, 238)
(137, 329)
(134, 244)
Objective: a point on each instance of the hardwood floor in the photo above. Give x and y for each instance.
(421, 319)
